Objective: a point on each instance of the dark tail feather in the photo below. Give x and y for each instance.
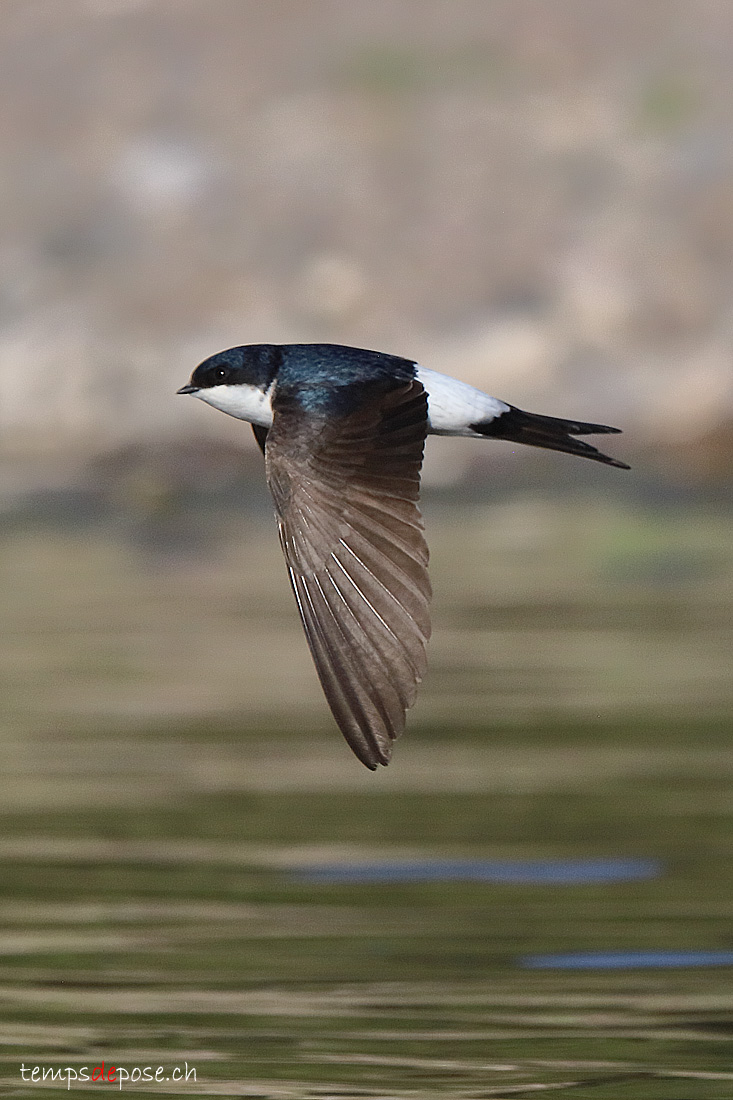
(548, 432)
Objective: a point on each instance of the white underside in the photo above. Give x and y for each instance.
(452, 405)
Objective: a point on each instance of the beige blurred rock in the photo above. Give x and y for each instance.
(695, 398)
(510, 358)
(595, 304)
(534, 205)
(331, 286)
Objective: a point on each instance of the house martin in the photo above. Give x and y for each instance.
(343, 432)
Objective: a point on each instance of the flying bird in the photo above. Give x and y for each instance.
(343, 432)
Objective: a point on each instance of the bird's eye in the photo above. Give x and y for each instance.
(221, 374)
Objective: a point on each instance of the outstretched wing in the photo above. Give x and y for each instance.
(345, 491)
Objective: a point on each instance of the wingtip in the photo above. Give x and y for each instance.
(372, 762)
(372, 753)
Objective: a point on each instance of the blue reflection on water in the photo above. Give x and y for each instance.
(550, 872)
(626, 960)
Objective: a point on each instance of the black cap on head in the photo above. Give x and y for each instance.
(249, 364)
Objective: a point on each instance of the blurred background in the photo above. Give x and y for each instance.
(535, 196)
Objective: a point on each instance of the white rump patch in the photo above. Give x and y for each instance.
(453, 405)
(242, 401)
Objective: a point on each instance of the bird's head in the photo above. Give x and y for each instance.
(236, 381)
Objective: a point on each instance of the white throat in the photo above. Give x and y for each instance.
(241, 401)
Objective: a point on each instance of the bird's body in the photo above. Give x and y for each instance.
(343, 432)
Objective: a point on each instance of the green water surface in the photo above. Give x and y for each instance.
(155, 820)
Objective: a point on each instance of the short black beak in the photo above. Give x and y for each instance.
(188, 389)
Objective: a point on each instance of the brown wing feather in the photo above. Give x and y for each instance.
(346, 495)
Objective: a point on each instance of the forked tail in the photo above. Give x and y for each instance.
(548, 432)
